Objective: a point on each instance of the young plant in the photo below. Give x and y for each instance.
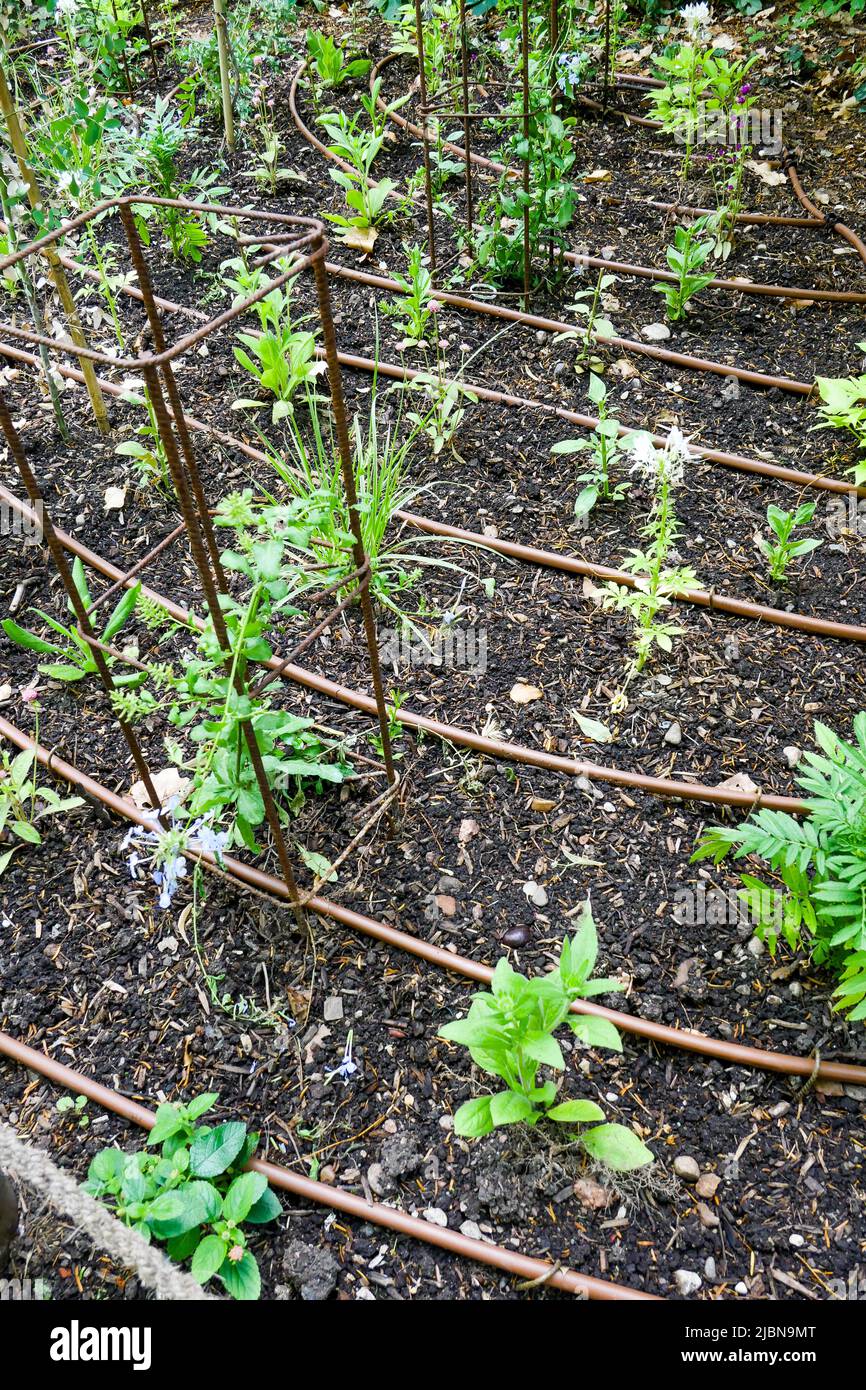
(685, 258)
(605, 449)
(844, 408)
(268, 171)
(72, 657)
(329, 62)
(147, 451)
(196, 1194)
(357, 147)
(23, 802)
(381, 454)
(285, 357)
(655, 582)
(783, 550)
(589, 305)
(509, 1034)
(820, 861)
(414, 305)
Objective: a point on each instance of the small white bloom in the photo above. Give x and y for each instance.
(696, 18)
(66, 7)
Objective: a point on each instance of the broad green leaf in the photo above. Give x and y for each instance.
(242, 1196)
(242, 1278)
(509, 1108)
(267, 1208)
(473, 1118)
(616, 1147)
(211, 1154)
(576, 1112)
(596, 1032)
(209, 1258)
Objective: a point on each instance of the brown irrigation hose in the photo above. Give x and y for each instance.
(625, 268)
(323, 1194)
(815, 219)
(246, 874)
(589, 422)
(450, 733)
(401, 373)
(702, 598)
(676, 359)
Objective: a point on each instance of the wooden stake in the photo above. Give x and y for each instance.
(76, 332)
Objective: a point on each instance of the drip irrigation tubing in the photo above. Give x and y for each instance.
(234, 870)
(705, 598)
(702, 598)
(688, 790)
(626, 268)
(589, 422)
(325, 1195)
(676, 359)
(815, 219)
(401, 373)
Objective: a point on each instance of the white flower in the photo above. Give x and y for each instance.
(66, 7)
(696, 18)
(668, 463)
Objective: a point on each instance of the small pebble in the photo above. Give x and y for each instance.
(687, 1168)
(687, 1281)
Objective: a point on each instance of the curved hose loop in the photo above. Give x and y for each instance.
(816, 217)
(337, 1199)
(247, 875)
(621, 267)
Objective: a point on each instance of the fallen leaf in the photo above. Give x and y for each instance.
(768, 175)
(360, 239)
(167, 784)
(740, 782)
(599, 733)
(468, 830)
(541, 804)
(592, 1194)
(598, 176)
(523, 694)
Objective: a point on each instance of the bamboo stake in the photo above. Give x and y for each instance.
(219, 11)
(76, 332)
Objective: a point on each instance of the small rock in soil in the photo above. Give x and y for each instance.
(707, 1184)
(687, 1281)
(687, 1168)
(312, 1272)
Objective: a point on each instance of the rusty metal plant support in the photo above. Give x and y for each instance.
(815, 218)
(307, 242)
(247, 875)
(428, 176)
